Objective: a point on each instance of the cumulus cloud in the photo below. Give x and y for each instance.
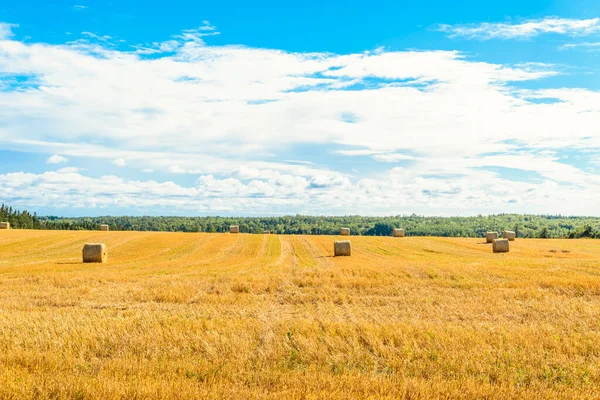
(525, 29)
(235, 116)
(56, 159)
(397, 191)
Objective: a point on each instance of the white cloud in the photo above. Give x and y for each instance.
(378, 155)
(177, 169)
(207, 26)
(396, 191)
(6, 30)
(525, 29)
(56, 159)
(585, 45)
(79, 7)
(104, 38)
(358, 152)
(234, 116)
(393, 157)
(188, 38)
(69, 170)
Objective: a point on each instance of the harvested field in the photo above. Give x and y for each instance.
(176, 315)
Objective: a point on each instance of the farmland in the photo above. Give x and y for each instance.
(197, 315)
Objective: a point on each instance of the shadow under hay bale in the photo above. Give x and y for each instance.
(500, 246)
(510, 235)
(490, 236)
(342, 248)
(398, 233)
(95, 253)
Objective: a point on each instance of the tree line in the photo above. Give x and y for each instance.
(526, 226)
(19, 219)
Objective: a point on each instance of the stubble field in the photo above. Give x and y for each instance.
(176, 315)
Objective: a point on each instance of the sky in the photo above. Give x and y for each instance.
(269, 108)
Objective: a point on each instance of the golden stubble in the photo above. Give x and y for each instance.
(180, 315)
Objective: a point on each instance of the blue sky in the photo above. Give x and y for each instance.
(268, 108)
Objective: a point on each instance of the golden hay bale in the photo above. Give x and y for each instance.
(4, 225)
(490, 236)
(342, 248)
(104, 228)
(266, 232)
(234, 229)
(345, 231)
(510, 235)
(398, 233)
(95, 253)
(500, 245)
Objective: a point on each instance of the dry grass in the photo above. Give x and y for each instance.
(263, 316)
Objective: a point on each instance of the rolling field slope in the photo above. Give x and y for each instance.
(176, 315)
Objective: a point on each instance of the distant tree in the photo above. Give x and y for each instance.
(587, 231)
(380, 229)
(524, 225)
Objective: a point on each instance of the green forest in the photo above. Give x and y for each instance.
(526, 226)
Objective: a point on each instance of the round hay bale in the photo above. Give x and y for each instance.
(95, 253)
(342, 248)
(398, 233)
(345, 231)
(4, 225)
(104, 228)
(266, 232)
(234, 229)
(510, 235)
(500, 245)
(490, 236)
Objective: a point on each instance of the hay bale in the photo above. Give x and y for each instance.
(345, 231)
(104, 228)
(95, 253)
(342, 248)
(267, 232)
(4, 225)
(500, 245)
(510, 235)
(398, 233)
(490, 236)
(234, 229)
